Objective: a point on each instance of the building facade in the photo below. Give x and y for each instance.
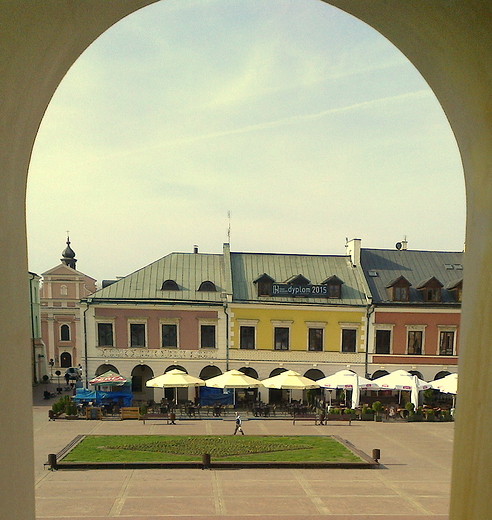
(169, 314)
(61, 328)
(38, 349)
(416, 309)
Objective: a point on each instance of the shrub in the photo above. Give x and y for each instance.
(410, 407)
(377, 406)
(366, 409)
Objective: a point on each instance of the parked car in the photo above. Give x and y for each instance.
(73, 373)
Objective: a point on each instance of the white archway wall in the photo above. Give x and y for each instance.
(449, 42)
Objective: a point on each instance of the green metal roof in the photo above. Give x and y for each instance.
(188, 270)
(248, 267)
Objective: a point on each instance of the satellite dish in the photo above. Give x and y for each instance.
(398, 245)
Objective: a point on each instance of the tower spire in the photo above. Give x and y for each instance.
(68, 255)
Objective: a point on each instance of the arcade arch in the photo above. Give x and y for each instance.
(449, 46)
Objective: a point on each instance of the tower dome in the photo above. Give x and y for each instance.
(68, 255)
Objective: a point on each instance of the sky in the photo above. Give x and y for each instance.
(302, 123)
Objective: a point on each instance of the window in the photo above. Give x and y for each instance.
(169, 285)
(446, 343)
(64, 333)
(247, 337)
(399, 289)
(349, 340)
(415, 342)
(207, 336)
(207, 287)
(430, 290)
(264, 285)
(400, 294)
(137, 335)
(315, 340)
(334, 291)
(281, 338)
(383, 342)
(105, 334)
(334, 286)
(63, 290)
(169, 335)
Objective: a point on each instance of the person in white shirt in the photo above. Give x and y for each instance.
(238, 424)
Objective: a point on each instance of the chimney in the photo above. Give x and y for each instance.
(404, 244)
(353, 250)
(195, 249)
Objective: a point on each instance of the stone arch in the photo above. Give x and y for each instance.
(140, 375)
(101, 369)
(451, 49)
(175, 367)
(441, 374)
(314, 374)
(379, 373)
(209, 371)
(251, 372)
(416, 373)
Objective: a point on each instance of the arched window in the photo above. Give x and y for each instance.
(207, 286)
(63, 290)
(65, 333)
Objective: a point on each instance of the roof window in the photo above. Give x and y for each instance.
(169, 285)
(207, 286)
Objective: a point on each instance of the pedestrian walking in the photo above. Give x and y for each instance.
(238, 424)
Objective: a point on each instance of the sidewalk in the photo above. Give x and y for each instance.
(413, 483)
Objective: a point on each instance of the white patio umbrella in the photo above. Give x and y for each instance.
(348, 380)
(289, 380)
(447, 384)
(233, 379)
(403, 380)
(175, 379)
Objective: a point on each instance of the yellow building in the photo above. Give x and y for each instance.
(298, 312)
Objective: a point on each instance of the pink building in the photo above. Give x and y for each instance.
(63, 288)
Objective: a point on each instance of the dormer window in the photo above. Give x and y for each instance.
(456, 289)
(169, 285)
(430, 289)
(264, 285)
(399, 289)
(334, 286)
(207, 286)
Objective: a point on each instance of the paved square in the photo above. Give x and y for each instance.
(414, 481)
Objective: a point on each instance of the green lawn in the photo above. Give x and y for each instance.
(147, 448)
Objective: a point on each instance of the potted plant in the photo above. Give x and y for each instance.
(430, 415)
(446, 415)
(70, 409)
(367, 413)
(333, 413)
(377, 407)
(143, 409)
(350, 412)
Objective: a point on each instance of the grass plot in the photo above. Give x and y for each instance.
(164, 448)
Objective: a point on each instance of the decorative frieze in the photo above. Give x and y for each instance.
(154, 353)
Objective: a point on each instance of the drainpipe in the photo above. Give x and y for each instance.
(227, 335)
(85, 347)
(224, 304)
(369, 311)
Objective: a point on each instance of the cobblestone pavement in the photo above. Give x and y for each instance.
(414, 481)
